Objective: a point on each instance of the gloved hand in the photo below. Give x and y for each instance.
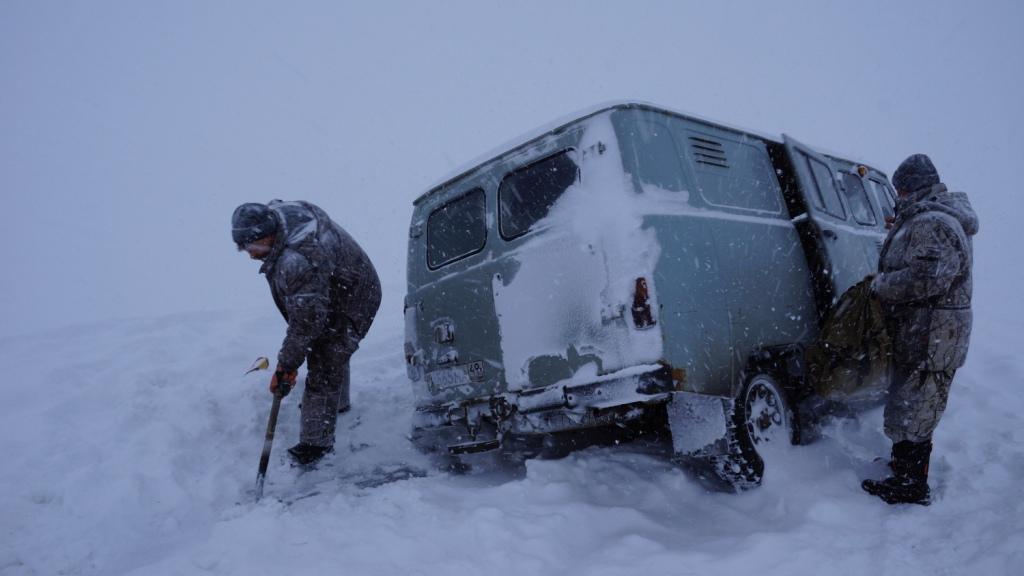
(283, 382)
(873, 287)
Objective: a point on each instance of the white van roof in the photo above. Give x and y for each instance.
(570, 119)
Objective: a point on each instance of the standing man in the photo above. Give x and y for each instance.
(924, 285)
(328, 292)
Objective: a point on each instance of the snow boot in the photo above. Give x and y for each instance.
(909, 482)
(308, 454)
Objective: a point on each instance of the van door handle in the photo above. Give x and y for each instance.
(830, 234)
(449, 357)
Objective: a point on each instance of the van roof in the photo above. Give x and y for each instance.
(567, 121)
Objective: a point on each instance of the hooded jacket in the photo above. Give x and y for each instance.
(322, 281)
(925, 280)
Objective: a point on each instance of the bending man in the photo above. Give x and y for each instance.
(328, 292)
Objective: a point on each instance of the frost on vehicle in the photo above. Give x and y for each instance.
(634, 272)
(569, 294)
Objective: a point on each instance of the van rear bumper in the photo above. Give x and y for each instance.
(484, 424)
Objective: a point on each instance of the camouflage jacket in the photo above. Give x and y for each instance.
(322, 282)
(924, 278)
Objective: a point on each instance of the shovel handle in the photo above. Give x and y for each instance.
(268, 443)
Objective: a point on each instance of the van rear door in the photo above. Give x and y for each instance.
(452, 337)
(843, 261)
(575, 297)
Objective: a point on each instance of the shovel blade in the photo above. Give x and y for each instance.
(259, 485)
(261, 363)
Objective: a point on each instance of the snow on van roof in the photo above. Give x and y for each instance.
(556, 125)
(570, 119)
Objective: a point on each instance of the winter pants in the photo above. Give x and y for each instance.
(327, 389)
(917, 399)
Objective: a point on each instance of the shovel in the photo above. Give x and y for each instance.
(268, 442)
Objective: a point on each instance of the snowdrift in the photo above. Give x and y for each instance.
(131, 448)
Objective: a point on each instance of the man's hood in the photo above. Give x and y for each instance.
(297, 224)
(939, 199)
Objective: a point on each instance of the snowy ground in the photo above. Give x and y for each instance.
(129, 131)
(130, 448)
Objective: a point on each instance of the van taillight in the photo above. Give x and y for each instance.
(642, 317)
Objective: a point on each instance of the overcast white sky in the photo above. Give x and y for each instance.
(130, 130)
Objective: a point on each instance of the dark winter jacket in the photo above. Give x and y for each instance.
(322, 282)
(924, 278)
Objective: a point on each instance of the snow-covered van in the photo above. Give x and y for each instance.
(637, 273)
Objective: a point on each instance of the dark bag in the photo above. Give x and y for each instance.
(853, 352)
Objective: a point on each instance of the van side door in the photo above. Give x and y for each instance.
(827, 220)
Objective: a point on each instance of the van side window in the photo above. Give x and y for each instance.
(857, 198)
(734, 174)
(525, 195)
(655, 155)
(884, 198)
(827, 197)
(457, 229)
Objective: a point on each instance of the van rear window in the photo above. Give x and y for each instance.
(457, 229)
(857, 198)
(526, 195)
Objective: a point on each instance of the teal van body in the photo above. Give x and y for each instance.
(632, 269)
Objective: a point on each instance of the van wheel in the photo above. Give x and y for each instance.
(761, 419)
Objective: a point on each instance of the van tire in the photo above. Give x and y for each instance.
(761, 415)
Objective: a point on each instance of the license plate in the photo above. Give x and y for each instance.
(456, 376)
